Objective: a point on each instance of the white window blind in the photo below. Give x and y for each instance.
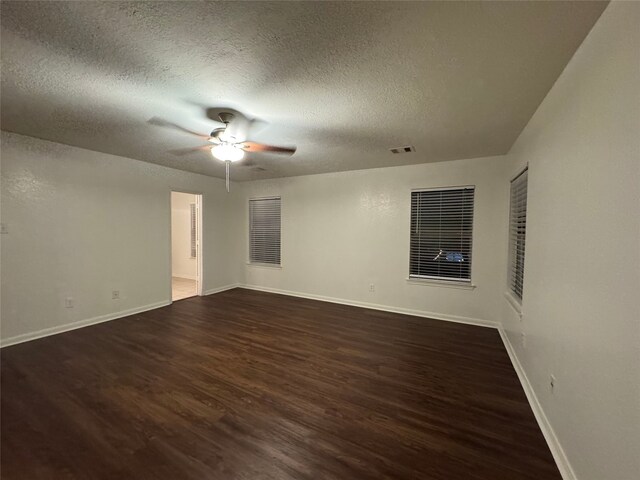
(517, 233)
(441, 233)
(194, 232)
(264, 230)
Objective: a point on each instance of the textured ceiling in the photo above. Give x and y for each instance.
(343, 81)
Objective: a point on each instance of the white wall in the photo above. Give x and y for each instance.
(344, 231)
(182, 264)
(581, 305)
(83, 223)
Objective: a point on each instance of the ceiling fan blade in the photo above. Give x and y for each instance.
(185, 151)
(260, 147)
(164, 123)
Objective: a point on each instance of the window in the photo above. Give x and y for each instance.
(441, 233)
(194, 231)
(517, 233)
(264, 230)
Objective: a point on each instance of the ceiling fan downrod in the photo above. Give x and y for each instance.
(226, 166)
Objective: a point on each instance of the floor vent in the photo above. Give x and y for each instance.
(406, 149)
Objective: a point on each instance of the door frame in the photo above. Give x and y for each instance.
(199, 238)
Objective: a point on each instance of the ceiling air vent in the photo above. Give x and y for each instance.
(406, 149)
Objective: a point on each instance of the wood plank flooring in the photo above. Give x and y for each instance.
(254, 386)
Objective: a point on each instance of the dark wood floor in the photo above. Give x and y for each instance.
(256, 386)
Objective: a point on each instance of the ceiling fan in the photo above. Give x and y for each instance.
(223, 144)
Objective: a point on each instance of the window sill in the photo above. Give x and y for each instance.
(441, 283)
(264, 265)
(514, 302)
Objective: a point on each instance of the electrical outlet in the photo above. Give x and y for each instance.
(68, 302)
(115, 295)
(552, 382)
(372, 287)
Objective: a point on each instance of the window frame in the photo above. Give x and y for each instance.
(513, 241)
(250, 260)
(443, 280)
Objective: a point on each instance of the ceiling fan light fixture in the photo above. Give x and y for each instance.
(227, 152)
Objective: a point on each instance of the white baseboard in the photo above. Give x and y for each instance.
(375, 306)
(211, 291)
(25, 337)
(543, 422)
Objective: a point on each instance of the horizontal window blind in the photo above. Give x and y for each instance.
(264, 230)
(441, 233)
(194, 232)
(517, 232)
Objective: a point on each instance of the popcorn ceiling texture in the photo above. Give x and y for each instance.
(344, 81)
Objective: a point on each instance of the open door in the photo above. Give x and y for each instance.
(186, 255)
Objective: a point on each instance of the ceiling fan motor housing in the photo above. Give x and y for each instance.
(225, 117)
(217, 132)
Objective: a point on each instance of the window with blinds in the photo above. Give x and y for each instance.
(194, 231)
(517, 233)
(441, 233)
(264, 230)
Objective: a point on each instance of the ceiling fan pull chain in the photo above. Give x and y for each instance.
(226, 164)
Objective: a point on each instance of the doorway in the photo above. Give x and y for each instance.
(186, 257)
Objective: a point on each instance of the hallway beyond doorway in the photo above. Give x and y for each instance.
(182, 288)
